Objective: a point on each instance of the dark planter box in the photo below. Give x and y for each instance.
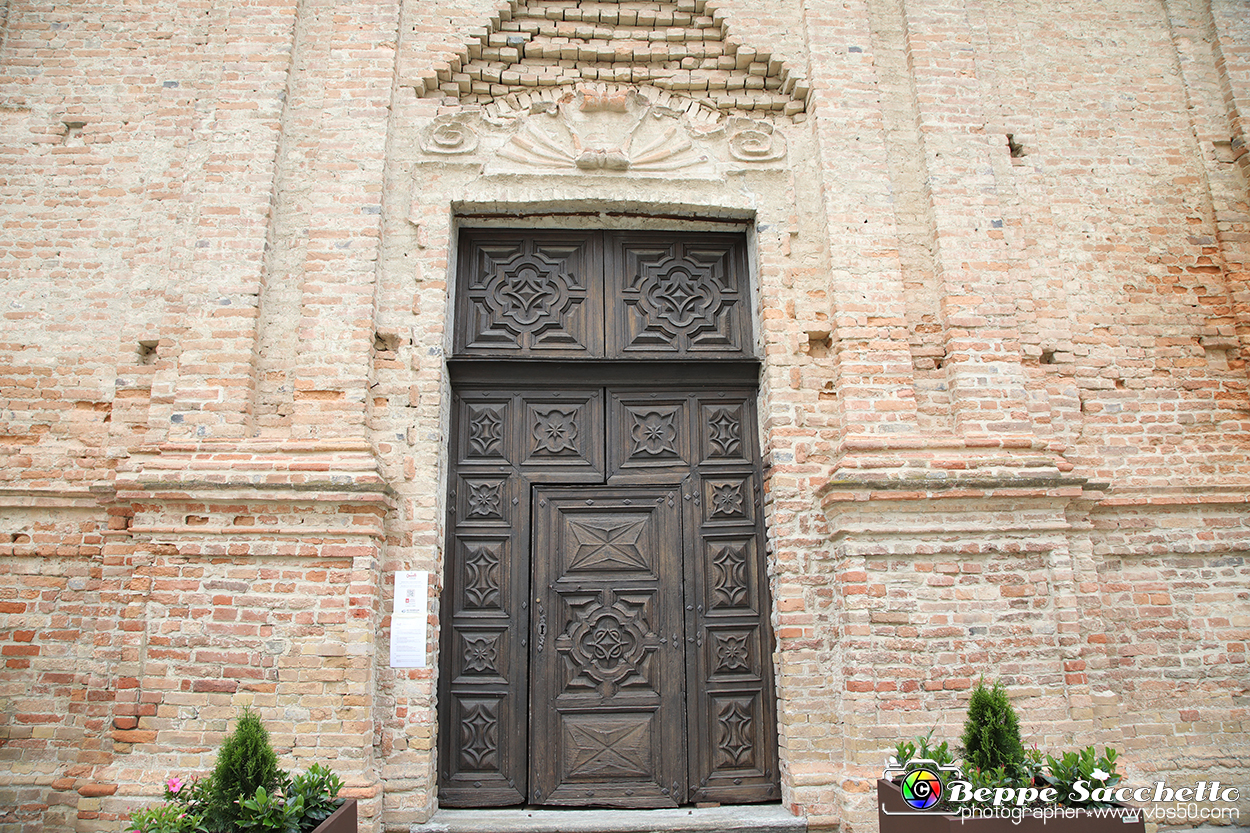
(342, 820)
(890, 802)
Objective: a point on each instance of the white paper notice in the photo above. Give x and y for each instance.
(408, 621)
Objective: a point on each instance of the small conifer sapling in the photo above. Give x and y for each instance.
(991, 737)
(245, 761)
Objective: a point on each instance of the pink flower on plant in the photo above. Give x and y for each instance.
(174, 784)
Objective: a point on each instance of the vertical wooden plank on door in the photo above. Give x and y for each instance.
(607, 657)
(483, 687)
(733, 751)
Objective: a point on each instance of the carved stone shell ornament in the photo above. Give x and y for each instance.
(603, 131)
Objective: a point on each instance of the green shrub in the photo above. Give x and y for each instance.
(906, 751)
(269, 813)
(993, 778)
(1096, 771)
(991, 737)
(318, 790)
(246, 761)
(164, 818)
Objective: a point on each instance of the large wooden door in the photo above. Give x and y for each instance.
(606, 636)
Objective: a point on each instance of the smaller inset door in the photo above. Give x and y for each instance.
(607, 722)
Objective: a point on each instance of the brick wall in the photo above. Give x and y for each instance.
(1000, 251)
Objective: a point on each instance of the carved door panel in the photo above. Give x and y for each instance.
(530, 294)
(705, 441)
(677, 296)
(608, 662)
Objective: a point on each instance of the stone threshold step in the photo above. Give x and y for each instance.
(767, 818)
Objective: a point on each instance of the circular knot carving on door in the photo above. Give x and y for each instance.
(529, 293)
(607, 644)
(678, 296)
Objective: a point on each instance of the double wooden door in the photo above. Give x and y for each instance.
(607, 638)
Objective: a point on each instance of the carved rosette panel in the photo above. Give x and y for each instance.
(529, 294)
(555, 432)
(654, 434)
(563, 430)
(481, 654)
(733, 652)
(483, 500)
(676, 298)
(727, 500)
(648, 433)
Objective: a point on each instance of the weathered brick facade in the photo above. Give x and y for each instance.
(1000, 254)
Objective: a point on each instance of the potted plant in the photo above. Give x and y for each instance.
(999, 786)
(247, 792)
